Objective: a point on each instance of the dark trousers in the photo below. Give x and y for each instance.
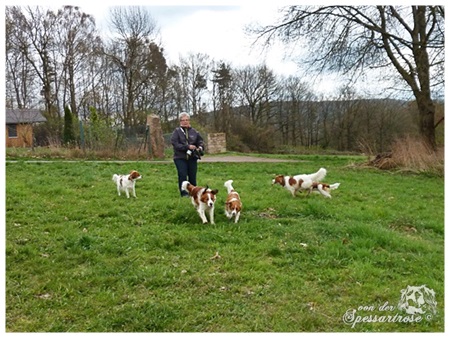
(187, 171)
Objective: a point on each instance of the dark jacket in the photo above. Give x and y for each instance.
(180, 143)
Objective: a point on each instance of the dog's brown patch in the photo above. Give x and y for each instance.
(207, 194)
(279, 179)
(193, 192)
(292, 182)
(133, 175)
(233, 202)
(203, 192)
(325, 186)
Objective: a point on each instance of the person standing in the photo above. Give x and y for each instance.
(187, 148)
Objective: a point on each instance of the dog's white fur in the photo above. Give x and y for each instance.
(300, 182)
(127, 183)
(203, 199)
(233, 204)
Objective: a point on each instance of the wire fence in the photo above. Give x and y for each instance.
(91, 136)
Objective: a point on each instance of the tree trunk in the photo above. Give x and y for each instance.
(426, 119)
(422, 93)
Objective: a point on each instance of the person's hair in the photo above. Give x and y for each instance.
(184, 114)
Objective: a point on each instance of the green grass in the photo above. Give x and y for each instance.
(80, 258)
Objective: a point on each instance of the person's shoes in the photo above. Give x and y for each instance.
(184, 195)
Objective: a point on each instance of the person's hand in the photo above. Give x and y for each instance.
(192, 147)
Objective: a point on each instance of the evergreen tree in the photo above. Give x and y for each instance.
(69, 134)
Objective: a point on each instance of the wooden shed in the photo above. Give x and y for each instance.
(19, 126)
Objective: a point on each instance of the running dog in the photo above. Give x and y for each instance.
(203, 200)
(233, 204)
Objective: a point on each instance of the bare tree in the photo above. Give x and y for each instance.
(255, 86)
(134, 30)
(409, 40)
(19, 73)
(76, 39)
(154, 93)
(292, 115)
(33, 36)
(194, 76)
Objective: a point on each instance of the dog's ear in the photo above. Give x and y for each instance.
(214, 192)
(133, 174)
(279, 179)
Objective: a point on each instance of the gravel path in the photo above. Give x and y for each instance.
(205, 159)
(242, 159)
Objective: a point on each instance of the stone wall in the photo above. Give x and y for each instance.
(216, 143)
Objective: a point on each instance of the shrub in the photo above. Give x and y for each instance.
(247, 135)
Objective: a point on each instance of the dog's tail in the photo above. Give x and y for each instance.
(229, 186)
(184, 186)
(115, 177)
(319, 175)
(334, 186)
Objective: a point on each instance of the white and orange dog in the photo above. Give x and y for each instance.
(127, 183)
(203, 200)
(323, 188)
(306, 182)
(233, 204)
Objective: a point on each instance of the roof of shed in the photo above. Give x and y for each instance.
(15, 116)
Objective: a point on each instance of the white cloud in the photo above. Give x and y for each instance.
(220, 33)
(217, 31)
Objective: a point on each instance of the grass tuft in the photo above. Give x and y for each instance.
(412, 154)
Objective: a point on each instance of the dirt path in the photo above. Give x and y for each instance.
(241, 159)
(205, 159)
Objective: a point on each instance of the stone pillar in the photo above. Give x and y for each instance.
(217, 143)
(156, 138)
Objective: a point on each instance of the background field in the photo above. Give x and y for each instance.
(81, 258)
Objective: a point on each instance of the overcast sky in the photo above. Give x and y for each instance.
(212, 27)
(217, 31)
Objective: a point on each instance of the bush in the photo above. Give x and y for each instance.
(246, 136)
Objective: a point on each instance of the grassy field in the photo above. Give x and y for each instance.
(80, 258)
